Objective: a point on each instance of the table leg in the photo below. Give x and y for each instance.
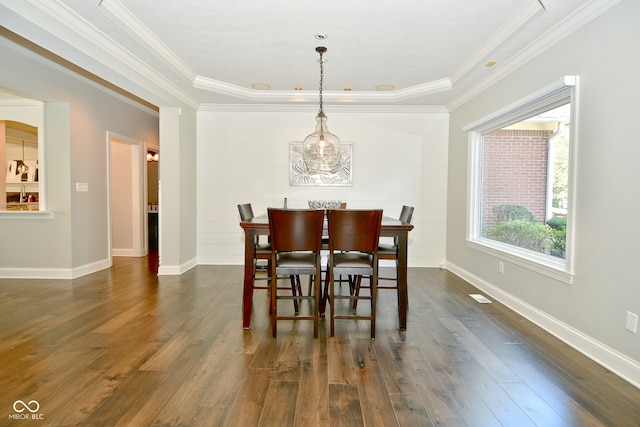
(247, 297)
(403, 293)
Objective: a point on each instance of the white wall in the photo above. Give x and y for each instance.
(243, 157)
(177, 190)
(121, 187)
(590, 314)
(77, 116)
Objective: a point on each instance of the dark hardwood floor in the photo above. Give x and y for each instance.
(123, 347)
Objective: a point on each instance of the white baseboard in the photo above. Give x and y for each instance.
(176, 270)
(616, 362)
(53, 273)
(122, 252)
(90, 268)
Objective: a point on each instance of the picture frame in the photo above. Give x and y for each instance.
(300, 176)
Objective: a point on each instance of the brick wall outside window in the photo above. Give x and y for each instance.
(514, 171)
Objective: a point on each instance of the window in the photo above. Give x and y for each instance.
(20, 150)
(22, 175)
(520, 181)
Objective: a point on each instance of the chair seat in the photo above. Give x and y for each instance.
(354, 263)
(387, 249)
(296, 260)
(263, 248)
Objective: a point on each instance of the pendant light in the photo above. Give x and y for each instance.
(23, 168)
(321, 149)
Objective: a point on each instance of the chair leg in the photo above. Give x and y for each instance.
(374, 298)
(357, 281)
(324, 296)
(273, 307)
(331, 301)
(294, 287)
(317, 279)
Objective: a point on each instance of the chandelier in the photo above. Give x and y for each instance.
(321, 149)
(22, 167)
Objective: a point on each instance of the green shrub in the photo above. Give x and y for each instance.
(509, 212)
(525, 234)
(557, 223)
(559, 237)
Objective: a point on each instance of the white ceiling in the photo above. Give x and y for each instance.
(432, 52)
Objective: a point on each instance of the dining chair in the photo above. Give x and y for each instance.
(262, 250)
(296, 236)
(390, 251)
(353, 250)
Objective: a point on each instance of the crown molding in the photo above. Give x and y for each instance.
(531, 10)
(122, 17)
(341, 108)
(54, 22)
(308, 96)
(559, 32)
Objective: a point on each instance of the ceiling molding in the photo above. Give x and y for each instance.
(54, 22)
(565, 28)
(308, 96)
(527, 13)
(56, 27)
(122, 17)
(342, 108)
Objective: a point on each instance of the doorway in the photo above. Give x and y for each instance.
(128, 229)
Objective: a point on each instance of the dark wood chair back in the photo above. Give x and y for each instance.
(354, 229)
(406, 214)
(246, 211)
(294, 230)
(296, 236)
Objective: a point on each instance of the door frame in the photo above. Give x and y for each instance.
(138, 214)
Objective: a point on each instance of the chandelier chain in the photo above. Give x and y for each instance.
(321, 80)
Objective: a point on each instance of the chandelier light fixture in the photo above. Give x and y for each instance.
(22, 167)
(321, 149)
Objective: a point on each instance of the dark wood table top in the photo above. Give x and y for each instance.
(388, 223)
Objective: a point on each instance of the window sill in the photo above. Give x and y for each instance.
(26, 215)
(549, 266)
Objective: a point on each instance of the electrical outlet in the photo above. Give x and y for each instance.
(501, 267)
(632, 322)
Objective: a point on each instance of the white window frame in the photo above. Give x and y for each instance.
(31, 112)
(554, 95)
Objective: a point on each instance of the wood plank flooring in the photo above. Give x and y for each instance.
(123, 347)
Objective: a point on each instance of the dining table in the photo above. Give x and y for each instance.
(390, 227)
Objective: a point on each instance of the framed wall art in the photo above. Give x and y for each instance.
(299, 174)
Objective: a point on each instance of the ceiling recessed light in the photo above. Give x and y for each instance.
(321, 36)
(261, 86)
(490, 63)
(297, 88)
(347, 89)
(385, 87)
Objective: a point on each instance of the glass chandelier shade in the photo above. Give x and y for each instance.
(321, 149)
(22, 167)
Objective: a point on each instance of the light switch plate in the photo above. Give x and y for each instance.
(632, 322)
(82, 187)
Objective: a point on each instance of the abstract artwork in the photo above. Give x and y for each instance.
(299, 174)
